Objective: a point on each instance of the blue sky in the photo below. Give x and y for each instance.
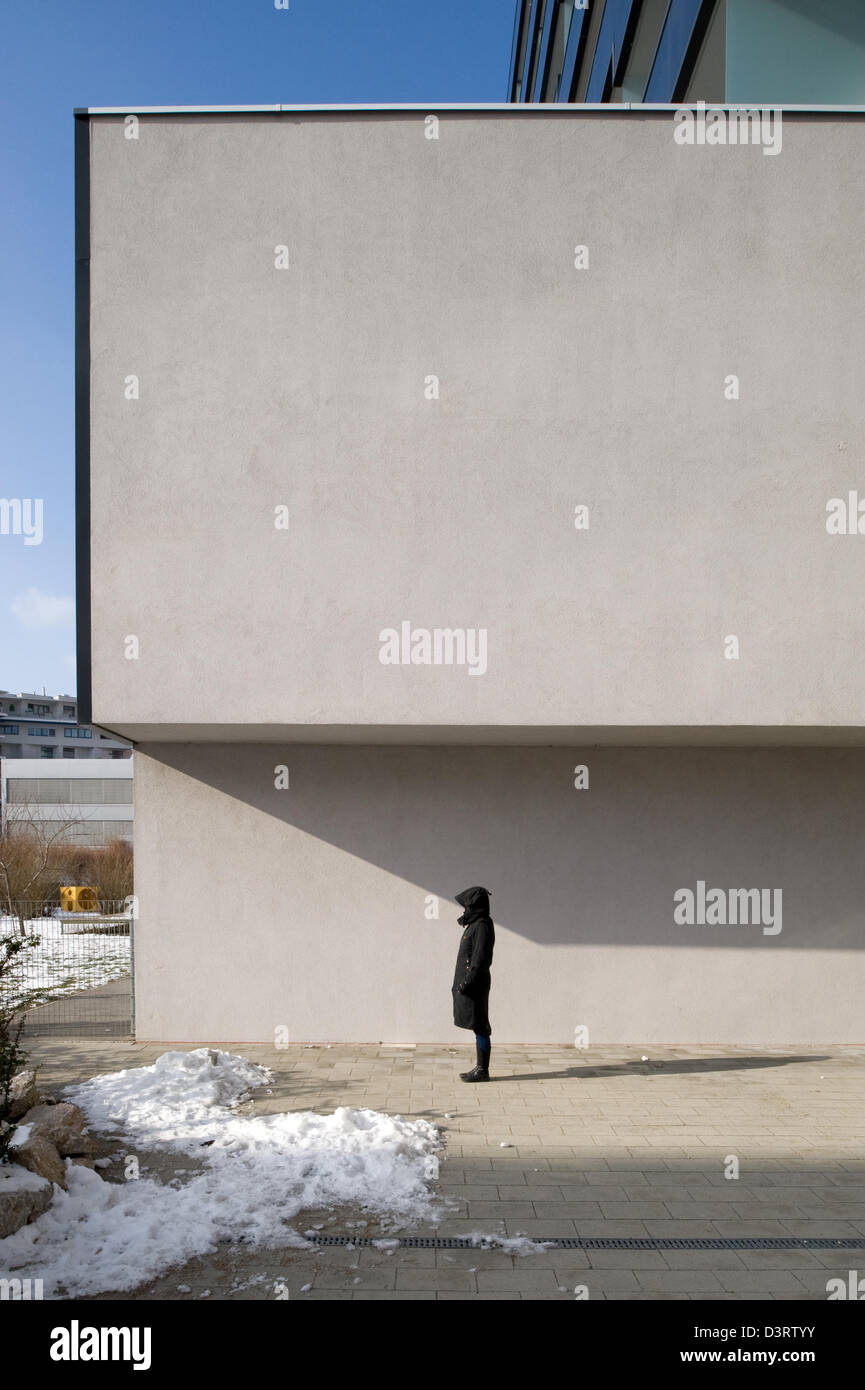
(60, 54)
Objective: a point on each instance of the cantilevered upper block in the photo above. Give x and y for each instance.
(481, 425)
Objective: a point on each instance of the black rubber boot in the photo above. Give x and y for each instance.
(481, 1071)
(469, 1075)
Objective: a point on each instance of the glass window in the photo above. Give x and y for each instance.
(39, 790)
(20, 790)
(86, 791)
(116, 790)
(96, 832)
(52, 791)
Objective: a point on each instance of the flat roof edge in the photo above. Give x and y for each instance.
(527, 108)
(649, 736)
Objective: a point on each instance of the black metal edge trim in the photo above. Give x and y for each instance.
(83, 647)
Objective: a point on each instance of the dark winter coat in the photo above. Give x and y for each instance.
(471, 987)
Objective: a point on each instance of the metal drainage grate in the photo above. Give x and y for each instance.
(610, 1242)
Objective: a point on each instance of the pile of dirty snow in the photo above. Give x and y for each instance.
(183, 1096)
(260, 1172)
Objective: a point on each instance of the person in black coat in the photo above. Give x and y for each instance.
(471, 986)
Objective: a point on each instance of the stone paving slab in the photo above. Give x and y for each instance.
(563, 1142)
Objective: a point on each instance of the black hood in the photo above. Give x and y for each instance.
(476, 902)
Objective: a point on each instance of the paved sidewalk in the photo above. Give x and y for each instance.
(102, 1011)
(565, 1143)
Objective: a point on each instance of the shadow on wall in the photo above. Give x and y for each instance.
(595, 865)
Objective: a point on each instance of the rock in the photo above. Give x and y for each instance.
(23, 1197)
(62, 1125)
(39, 1156)
(23, 1094)
(81, 1161)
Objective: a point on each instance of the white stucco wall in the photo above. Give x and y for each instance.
(304, 908)
(605, 387)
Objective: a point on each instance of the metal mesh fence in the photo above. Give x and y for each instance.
(81, 964)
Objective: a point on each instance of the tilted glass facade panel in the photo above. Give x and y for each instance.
(612, 47)
(683, 30)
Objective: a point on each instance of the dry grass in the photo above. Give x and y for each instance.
(33, 868)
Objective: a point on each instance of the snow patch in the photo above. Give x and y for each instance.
(14, 1178)
(64, 964)
(174, 1101)
(512, 1245)
(260, 1172)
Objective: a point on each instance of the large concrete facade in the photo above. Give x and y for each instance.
(312, 907)
(348, 378)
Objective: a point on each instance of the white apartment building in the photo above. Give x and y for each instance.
(46, 726)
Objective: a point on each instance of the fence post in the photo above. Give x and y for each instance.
(132, 917)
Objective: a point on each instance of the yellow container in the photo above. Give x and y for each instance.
(79, 900)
